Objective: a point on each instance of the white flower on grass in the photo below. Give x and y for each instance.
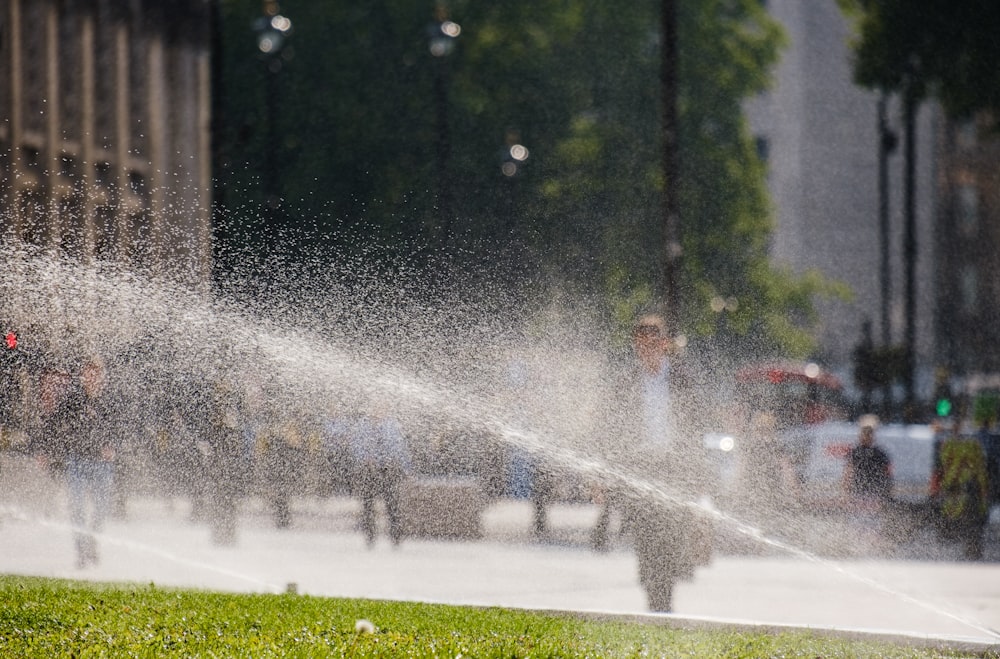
(364, 627)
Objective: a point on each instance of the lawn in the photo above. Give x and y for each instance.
(53, 618)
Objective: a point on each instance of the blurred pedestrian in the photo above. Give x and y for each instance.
(179, 460)
(961, 488)
(668, 538)
(531, 476)
(868, 480)
(225, 448)
(542, 495)
(381, 461)
(336, 446)
(990, 442)
(767, 482)
(278, 446)
(81, 435)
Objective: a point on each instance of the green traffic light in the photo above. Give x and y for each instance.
(943, 407)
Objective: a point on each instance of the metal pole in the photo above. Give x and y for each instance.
(442, 33)
(270, 173)
(885, 146)
(442, 148)
(910, 241)
(217, 104)
(670, 164)
(272, 31)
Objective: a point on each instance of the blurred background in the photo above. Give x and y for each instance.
(809, 181)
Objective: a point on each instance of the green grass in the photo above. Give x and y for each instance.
(51, 618)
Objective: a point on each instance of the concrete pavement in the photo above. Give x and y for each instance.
(323, 554)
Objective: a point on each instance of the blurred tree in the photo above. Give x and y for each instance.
(919, 48)
(353, 115)
(945, 47)
(577, 82)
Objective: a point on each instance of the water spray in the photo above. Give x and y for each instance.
(184, 336)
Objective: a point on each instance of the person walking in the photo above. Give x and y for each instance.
(381, 461)
(868, 480)
(225, 450)
(666, 534)
(961, 488)
(81, 435)
(278, 444)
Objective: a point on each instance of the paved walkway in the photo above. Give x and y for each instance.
(323, 554)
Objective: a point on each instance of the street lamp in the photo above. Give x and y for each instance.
(512, 159)
(271, 37)
(722, 307)
(911, 101)
(887, 141)
(514, 156)
(272, 30)
(442, 34)
(670, 163)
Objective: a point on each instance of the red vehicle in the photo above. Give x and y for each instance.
(795, 397)
(797, 393)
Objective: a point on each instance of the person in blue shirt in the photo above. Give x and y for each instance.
(81, 435)
(381, 462)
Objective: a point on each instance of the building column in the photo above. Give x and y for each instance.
(15, 114)
(156, 101)
(88, 128)
(130, 204)
(51, 151)
(204, 163)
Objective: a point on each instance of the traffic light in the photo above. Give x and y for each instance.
(12, 352)
(943, 404)
(10, 390)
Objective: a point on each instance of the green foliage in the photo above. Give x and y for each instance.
(47, 618)
(945, 48)
(985, 406)
(575, 81)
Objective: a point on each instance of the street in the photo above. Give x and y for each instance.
(323, 554)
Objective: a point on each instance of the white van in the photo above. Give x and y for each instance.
(824, 448)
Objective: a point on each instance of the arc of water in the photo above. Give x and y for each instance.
(642, 486)
(322, 362)
(468, 409)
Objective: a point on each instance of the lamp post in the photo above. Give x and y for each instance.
(272, 30)
(672, 252)
(442, 34)
(886, 145)
(722, 307)
(512, 160)
(514, 156)
(911, 101)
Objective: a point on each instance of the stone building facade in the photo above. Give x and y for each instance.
(968, 236)
(105, 150)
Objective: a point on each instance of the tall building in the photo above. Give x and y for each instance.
(819, 133)
(968, 234)
(104, 130)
